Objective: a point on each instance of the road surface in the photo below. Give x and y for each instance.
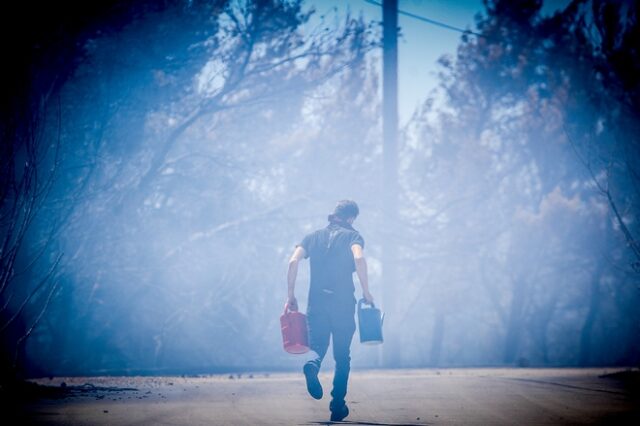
(376, 397)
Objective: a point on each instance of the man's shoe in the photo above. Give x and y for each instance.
(340, 414)
(313, 384)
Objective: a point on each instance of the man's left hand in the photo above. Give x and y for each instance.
(292, 303)
(368, 297)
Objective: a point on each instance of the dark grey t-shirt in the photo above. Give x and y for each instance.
(331, 260)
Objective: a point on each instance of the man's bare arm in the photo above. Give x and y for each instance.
(361, 271)
(292, 274)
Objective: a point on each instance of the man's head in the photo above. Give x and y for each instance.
(346, 211)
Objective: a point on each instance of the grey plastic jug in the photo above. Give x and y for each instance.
(370, 321)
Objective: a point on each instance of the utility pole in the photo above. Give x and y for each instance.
(390, 173)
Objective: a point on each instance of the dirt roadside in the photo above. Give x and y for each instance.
(376, 397)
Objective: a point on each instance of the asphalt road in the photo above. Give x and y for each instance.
(378, 397)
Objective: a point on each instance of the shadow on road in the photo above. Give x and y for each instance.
(346, 422)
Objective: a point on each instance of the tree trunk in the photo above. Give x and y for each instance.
(436, 339)
(514, 327)
(594, 308)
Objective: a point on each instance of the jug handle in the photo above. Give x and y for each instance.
(286, 308)
(363, 301)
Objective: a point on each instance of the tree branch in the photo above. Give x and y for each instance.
(33, 293)
(631, 242)
(35, 323)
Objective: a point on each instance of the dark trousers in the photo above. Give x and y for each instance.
(326, 319)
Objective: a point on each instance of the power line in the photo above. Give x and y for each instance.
(429, 20)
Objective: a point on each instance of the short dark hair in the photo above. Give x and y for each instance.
(346, 209)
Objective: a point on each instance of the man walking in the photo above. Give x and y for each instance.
(335, 252)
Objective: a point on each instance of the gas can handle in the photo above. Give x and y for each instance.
(287, 308)
(364, 301)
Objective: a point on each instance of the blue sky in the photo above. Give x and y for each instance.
(421, 43)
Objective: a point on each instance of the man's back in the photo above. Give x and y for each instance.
(335, 253)
(331, 259)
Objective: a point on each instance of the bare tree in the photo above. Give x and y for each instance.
(29, 166)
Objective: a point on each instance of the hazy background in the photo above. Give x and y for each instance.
(160, 160)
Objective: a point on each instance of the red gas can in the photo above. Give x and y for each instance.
(294, 331)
